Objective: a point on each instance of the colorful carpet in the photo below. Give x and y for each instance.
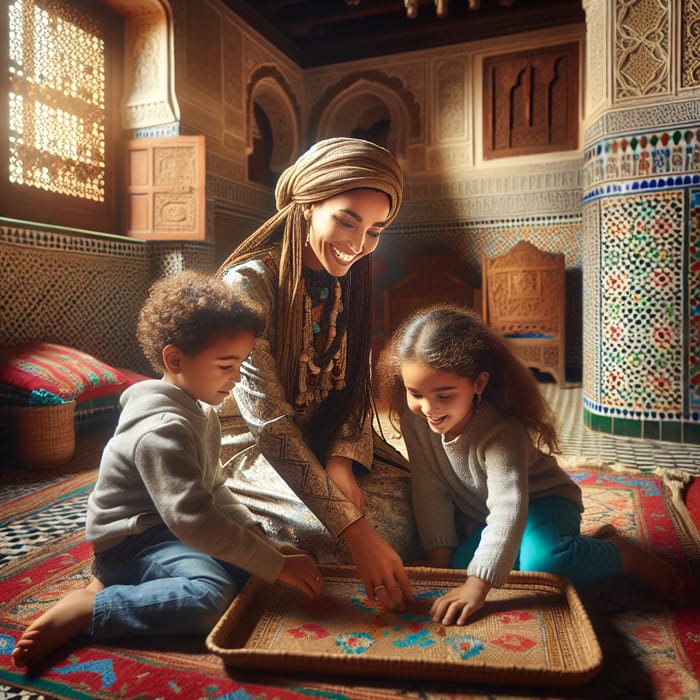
(650, 649)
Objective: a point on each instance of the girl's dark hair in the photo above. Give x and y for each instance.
(188, 310)
(456, 340)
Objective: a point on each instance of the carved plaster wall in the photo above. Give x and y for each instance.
(149, 76)
(642, 48)
(268, 88)
(356, 99)
(645, 51)
(690, 44)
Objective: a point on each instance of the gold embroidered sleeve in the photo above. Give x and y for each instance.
(360, 449)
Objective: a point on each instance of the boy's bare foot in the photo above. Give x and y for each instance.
(644, 567)
(59, 624)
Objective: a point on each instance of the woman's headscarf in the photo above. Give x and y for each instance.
(336, 165)
(329, 168)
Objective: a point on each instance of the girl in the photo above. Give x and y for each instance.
(481, 443)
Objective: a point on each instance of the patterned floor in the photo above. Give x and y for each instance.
(20, 536)
(576, 439)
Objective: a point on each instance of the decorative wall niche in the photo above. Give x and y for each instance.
(370, 105)
(531, 102)
(273, 116)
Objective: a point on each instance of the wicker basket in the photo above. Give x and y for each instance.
(43, 436)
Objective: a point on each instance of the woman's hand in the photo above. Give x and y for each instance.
(457, 605)
(300, 571)
(380, 568)
(339, 469)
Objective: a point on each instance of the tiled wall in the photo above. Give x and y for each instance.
(642, 280)
(84, 291)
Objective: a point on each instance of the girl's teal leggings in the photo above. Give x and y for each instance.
(553, 543)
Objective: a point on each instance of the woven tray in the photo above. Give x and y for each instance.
(533, 631)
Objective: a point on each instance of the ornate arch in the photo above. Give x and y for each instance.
(360, 93)
(149, 74)
(273, 94)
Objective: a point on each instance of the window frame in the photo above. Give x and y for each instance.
(28, 203)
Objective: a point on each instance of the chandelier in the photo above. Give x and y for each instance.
(440, 6)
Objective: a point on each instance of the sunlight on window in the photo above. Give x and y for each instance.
(56, 99)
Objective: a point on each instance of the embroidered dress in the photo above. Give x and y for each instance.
(269, 465)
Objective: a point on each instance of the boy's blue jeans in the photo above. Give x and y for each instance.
(154, 585)
(552, 542)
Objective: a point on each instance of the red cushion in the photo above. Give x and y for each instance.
(65, 372)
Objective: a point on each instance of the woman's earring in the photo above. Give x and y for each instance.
(307, 216)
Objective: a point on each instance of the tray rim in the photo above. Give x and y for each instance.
(590, 658)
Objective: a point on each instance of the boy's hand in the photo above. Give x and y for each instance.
(300, 571)
(459, 603)
(339, 469)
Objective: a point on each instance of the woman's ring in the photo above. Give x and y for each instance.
(318, 578)
(378, 586)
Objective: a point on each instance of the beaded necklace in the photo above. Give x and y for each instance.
(322, 362)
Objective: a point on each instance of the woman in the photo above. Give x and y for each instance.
(304, 394)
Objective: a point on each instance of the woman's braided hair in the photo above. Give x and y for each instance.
(329, 168)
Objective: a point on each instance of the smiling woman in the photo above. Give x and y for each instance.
(344, 228)
(304, 394)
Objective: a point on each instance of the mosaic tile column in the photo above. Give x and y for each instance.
(641, 220)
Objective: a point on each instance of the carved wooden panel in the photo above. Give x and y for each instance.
(524, 300)
(531, 101)
(166, 188)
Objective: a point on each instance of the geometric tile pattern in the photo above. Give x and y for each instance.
(20, 536)
(642, 317)
(693, 310)
(591, 338)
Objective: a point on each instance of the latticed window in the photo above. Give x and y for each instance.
(58, 141)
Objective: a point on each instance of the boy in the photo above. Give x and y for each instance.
(173, 545)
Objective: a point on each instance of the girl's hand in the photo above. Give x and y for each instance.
(457, 605)
(339, 469)
(380, 568)
(300, 571)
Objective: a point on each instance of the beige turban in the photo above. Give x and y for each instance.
(337, 165)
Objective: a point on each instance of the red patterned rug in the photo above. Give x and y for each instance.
(650, 649)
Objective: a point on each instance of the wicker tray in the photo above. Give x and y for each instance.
(533, 631)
